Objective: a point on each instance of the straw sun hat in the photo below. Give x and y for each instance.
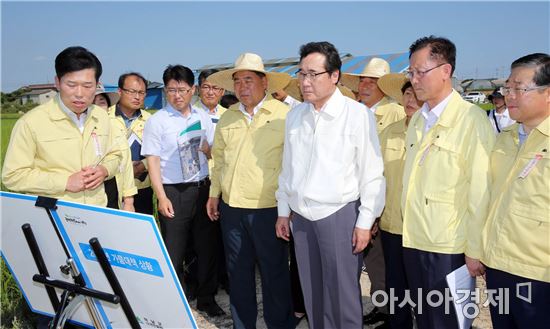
(375, 68)
(293, 89)
(249, 62)
(391, 85)
(113, 97)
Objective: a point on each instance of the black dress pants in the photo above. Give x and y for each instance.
(189, 203)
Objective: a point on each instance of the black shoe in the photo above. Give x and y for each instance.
(212, 309)
(374, 316)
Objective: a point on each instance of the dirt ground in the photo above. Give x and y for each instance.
(483, 321)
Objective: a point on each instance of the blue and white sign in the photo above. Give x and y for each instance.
(132, 244)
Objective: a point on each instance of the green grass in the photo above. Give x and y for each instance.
(15, 312)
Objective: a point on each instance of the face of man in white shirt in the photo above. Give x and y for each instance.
(250, 88)
(369, 93)
(499, 104)
(179, 94)
(431, 83)
(320, 88)
(77, 89)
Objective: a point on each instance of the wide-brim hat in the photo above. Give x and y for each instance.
(113, 97)
(375, 68)
(249, 62)
(391, 85)
(293, 90)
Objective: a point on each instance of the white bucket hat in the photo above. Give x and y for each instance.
(249, 62)
(113, 97)
(375, 68)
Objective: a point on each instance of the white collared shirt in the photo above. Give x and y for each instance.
(291, 101)
(256, 109)
(432, 115)
(502, 119)
(331, 158)
(78, 121)
(214, 116)
(373, 108)
(160, 138)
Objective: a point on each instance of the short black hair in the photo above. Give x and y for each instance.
(407, 84)
(441, 49)
(77, 58)
(122, 79)
(179, 73)
(332, 58)
(228, 100)
(205, 74)
(541, 63)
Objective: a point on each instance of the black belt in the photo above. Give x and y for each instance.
(202, 182)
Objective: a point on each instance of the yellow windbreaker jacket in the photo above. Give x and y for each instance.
(247, 156)
(46, 147)
(516, 238)
(446, 182)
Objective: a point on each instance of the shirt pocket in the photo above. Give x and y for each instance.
(443, 225)
(536, 183)
(526, 235)
(443, 168)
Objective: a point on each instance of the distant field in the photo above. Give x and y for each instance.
(8, 121)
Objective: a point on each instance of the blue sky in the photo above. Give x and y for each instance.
(147, 36)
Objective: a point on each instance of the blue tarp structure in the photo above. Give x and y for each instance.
(350, 64)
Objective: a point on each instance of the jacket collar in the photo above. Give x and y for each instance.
(452, 111)
(56, 112)
(544, 126)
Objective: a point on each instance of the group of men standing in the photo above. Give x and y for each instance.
(318, 170)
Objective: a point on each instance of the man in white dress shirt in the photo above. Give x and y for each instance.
(332, 188)
(178, 167)
(499, 116)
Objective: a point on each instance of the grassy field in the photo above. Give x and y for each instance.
(15, 312)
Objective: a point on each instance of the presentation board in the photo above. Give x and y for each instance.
(133, 246)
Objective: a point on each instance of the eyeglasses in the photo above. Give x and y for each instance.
(133, 92)
(505, 91)
(420, 74)
(174, 91)
(207, 88)
(311, 76)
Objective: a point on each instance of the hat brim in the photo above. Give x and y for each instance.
(275, 80)
(391, 85)
(351, 80)
(113, 97)
(293, 90)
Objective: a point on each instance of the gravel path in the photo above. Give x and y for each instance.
(483, 321)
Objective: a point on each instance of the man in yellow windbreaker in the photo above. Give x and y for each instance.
(516, 238)
(385, 110)
(392, 145)
(64, 148)
(131, 117)
(247, 153)
(445, 182)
